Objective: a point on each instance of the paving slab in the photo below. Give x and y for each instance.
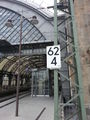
(29, 109)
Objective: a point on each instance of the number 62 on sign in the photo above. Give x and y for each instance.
(53, 57)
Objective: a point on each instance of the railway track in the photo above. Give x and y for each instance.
(11, 99)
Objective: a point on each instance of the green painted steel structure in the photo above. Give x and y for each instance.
(56, 116)
(67, 6)
(80, 91)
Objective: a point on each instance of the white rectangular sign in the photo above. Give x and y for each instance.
(53, 57)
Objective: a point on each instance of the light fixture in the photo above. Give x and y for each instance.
(34, 20)
(9, 23)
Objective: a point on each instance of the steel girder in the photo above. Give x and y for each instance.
(71, 105)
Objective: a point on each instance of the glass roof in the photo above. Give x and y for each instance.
(12, 34)
(10, 63)
(41, 5)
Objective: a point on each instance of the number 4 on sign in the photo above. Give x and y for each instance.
(53, 57)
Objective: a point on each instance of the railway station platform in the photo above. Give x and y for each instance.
(29, 109)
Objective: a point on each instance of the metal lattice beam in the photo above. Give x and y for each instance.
(70, 56)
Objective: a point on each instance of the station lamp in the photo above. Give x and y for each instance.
(9, 23)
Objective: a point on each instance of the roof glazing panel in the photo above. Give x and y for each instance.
(30, 33)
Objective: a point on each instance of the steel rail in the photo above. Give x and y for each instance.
(37, 118)
(8, 103)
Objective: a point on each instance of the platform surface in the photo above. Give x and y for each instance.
(29, 109)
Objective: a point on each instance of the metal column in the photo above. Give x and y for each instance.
(71, 60)
(83, 112)
(56, 116)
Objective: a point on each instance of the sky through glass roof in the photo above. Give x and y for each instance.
(43, 3)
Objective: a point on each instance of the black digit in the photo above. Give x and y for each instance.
(54, 61)
(57, 49)
(50, 52)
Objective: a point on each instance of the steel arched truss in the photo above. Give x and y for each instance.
(30, 32)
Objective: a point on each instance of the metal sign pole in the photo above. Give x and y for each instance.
(56, 116)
